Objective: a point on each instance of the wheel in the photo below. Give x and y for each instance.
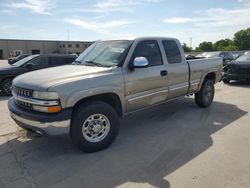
(94, 126)
(205, 96)
(6, 86)
(226, 81)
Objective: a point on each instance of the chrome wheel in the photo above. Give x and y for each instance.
(95, 128)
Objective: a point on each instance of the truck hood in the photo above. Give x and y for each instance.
(43, 79)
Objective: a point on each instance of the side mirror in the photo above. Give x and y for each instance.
(29, 66)
(140, 62)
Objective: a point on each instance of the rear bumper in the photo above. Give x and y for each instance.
(49, 124)
(236, 76)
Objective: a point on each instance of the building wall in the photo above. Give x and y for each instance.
(7, 46)
(73, 47)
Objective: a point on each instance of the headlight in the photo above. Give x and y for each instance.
(45, 95)
(48, 109)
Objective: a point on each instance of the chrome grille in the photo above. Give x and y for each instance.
(24, 104)
(22, 92)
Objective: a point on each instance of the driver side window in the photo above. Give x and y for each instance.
(150, 50)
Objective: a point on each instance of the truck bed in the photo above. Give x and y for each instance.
(201, 67)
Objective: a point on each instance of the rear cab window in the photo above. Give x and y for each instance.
(172, 51)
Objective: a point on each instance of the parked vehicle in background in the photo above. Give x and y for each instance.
(14, 54)
(238, 69)
(30, 63)
(237, 54)
(226, 56)
(108, 80)
(18, 58)
(190, 56)
(246, 53)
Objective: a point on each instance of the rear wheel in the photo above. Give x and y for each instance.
(205, 96)
(94, 126)
(6, 86)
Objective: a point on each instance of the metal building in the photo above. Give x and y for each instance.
(8, 46)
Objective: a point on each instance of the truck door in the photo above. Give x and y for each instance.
(177, 67)
(146, 86)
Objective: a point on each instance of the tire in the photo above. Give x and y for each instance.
(226, 81)
(89, 120)
(205, 96)
(6, 87)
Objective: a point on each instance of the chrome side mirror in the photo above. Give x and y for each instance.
(140, 62)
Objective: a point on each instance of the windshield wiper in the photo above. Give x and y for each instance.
(95, 64)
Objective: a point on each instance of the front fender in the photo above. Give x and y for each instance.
(76, 97)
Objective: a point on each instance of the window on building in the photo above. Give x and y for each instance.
(86, 45)
(77, 45)
(63, 45)
(1, 54)
(33, 52)
(69, 45)
(60, 46)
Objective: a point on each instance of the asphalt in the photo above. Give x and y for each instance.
(173, 145)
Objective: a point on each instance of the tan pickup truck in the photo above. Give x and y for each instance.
(108, 80)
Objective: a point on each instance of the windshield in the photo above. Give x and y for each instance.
(104, 53)
(24, 60)
(244, 58)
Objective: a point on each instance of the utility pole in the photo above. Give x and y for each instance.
(68, 34)
(191, 41)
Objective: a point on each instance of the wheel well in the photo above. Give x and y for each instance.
(109, 98)
(210, 76)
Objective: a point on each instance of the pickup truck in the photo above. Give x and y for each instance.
(108, 80)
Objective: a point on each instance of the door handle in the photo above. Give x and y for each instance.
(164, 73)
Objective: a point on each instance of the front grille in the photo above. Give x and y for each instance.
(22, 92)
(26, 93)
(24, 104)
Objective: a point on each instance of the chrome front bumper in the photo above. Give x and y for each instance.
(50, 128)
(43, 123)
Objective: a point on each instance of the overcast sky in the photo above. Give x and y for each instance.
(90, 20)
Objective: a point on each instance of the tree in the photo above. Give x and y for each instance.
(186, 48)
(206, 46)
(242, 39)
(224, 45)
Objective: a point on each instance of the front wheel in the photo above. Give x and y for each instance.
(6, 87)
(94, 126)
(205, 96)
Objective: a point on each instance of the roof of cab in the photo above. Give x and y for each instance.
(140, 38)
